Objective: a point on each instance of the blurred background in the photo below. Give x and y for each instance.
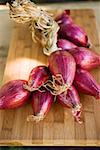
(50, 1)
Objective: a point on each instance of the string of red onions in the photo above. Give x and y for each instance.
(67, 65)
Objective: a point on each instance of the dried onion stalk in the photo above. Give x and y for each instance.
(43, 27)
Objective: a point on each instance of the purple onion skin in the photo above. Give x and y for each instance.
(62, 62)
(38, 76)
(41, 102)
(65, 44)
(64, 18)
(73, 33)
(67, 11)
(85, 83)
(13, 95)
(69, 99)
(85, 58)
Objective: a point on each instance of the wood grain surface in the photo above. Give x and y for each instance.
(59, 127)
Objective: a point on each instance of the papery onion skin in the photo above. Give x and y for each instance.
(73, 33)
(71, 99)
(85, 58)
(63, 63)
(41, 104)
(37, 77)
(65, 44)
(85, 83)
(13, 95)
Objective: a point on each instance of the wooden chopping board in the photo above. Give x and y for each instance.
(59, 127)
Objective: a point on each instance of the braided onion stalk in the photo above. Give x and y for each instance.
(42, 25)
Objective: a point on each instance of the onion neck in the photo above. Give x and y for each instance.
(36, 118)
(76, 111)
(57, 85)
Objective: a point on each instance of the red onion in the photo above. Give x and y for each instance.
(85, 83)
(85, 58)
(62, 66)
(64, 18)
(73, 33)
(13, 95)
(37, 78)
(71, 99)
(41, 104)
(65, 44)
